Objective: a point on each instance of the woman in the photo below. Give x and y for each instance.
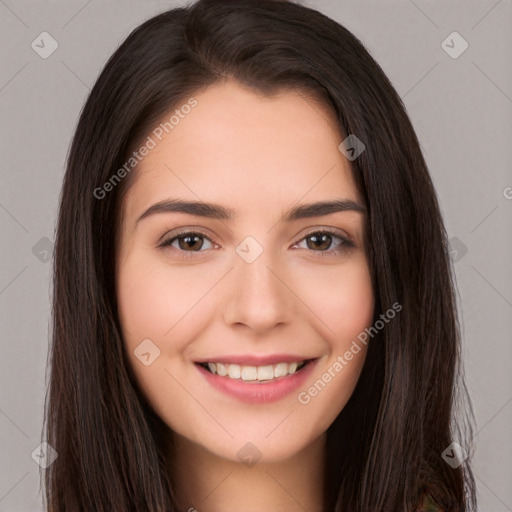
(231, 156)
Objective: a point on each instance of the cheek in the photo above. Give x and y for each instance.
(354, 314)
(153, 302)
(150, 308)
(343, 300)
(356, 301)
(142, 302)
(345, 306)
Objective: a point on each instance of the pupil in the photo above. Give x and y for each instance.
(188, 242)
(318, 240)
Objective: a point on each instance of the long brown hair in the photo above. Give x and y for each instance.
(384, 448)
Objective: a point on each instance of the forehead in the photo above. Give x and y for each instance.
(250, 151)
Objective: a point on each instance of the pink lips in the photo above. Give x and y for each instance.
(254, 392)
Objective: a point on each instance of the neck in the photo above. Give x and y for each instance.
(204, 482)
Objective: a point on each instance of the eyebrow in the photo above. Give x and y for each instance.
(216, 211)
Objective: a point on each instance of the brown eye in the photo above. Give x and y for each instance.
(321, 242)
(187, 242)
(193, 242)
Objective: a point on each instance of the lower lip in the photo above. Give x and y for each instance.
(254, 392)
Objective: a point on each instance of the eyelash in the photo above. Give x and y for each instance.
(345, 245)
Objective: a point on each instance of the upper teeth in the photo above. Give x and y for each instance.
(268, 372)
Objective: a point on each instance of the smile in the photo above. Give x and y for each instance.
(254, 383)
(255, 373)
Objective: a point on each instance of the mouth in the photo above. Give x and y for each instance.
(257, 378)
(255, 374)
(257, 384)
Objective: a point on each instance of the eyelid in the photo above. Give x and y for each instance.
(174, 233)
(335, 231)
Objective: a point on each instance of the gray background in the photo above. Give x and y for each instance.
(460, 107)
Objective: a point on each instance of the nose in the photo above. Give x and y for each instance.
(259, 295)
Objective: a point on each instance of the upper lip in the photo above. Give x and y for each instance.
(255, 359)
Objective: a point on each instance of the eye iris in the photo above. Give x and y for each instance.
(319, 241)
(189, 241)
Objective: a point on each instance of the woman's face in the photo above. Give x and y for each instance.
(246, 286)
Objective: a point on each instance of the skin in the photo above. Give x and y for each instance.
(260, 156)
